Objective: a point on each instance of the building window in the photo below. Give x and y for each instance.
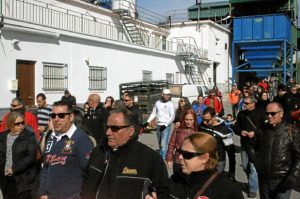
(170, 78)
(97, 78)
(147, 75)
(55, 77)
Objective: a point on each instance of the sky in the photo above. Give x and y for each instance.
(162, 6)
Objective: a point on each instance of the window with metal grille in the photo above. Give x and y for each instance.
(97, 78)
(147, 75)
(55, 76)
(170, 78)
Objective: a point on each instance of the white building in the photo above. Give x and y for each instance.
(50, 46)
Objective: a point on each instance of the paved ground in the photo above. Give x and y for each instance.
(151, 140)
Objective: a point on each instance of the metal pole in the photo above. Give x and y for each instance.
(232, 62)
(291, 62)
(284, 62)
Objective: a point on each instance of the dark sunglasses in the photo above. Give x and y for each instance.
(247, 103)
(188, 155)
(126, 100)
(207, 120)
(60, 115)
(19, 123)
(14, 105)
(272, 113)
(116, 128)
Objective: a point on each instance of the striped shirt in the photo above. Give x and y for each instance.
(43, 115)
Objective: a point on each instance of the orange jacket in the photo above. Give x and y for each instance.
(234, 96)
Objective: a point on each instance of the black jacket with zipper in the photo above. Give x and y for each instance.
(278, 154)
(24, 166)
(121, 173)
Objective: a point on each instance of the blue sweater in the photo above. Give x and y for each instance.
(64, 162)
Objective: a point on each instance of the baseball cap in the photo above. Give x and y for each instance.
(166, 92)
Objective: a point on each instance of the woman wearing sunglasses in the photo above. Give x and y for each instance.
(188, 126)
(199, 177)
(18, 166)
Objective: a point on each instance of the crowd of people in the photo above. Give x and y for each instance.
(64, 151)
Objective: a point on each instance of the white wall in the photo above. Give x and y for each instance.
(212, 37)
(124, 63)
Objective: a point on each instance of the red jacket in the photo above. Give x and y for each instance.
(217, 105)
(176, 140)
(30, 120)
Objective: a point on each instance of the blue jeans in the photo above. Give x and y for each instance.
(250, 171)
(221, 166)
(269, 190)
(163, 140)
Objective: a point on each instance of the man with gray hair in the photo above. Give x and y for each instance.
(248, 123)
(123, 167)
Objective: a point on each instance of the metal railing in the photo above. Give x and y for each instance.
(187, 46)
(53, 16)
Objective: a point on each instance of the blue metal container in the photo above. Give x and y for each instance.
(262, 27)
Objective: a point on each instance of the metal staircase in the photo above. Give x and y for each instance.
(195, 60)
(133, 26)
(133, 31)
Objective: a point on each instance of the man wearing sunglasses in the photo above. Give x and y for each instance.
(17, 104)
(123, 167)
(278, 155)
(66, 155)
(248, 124)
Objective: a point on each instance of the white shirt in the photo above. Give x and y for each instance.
(69, 133)
(164, 113)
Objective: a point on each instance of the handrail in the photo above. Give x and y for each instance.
(53, 16)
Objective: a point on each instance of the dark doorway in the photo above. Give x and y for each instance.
(25, 76)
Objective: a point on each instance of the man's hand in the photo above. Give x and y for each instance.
(153, 196)
(177, 125)
(251, 134)
(245, 133)
(41, 129)
(170, 164)
(44, 197)
(9, 172)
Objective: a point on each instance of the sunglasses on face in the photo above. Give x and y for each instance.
(189, 155)
(19, 123)
(116, 128)
(126, 100)
(207, 120)
(247, 103)
(14, 105)
(60, 115)
(272, 113)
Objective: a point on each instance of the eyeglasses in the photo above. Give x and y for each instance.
(116, 128)
(272, 113)
(207, 120)
(188, 155)
(14, 105)
(60, 115)
(19, 123)
(247, 103)
(126, 100)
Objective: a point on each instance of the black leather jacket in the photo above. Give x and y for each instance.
(117, 173)
(278, 153)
